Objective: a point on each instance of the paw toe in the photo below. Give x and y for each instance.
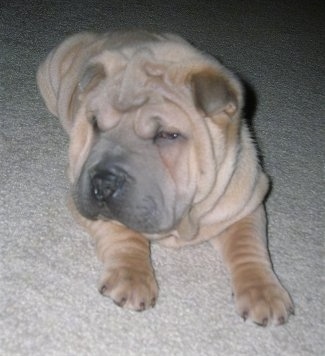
(129, 289)
(264, 305)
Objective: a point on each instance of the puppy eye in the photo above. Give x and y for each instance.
(93, 122)
(164, 135)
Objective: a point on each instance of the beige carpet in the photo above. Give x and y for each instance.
(49, 304)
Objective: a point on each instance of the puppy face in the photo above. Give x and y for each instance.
(146, 117)
(136, 168)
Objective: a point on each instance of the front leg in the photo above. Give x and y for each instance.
(128, 276)
(258, 293)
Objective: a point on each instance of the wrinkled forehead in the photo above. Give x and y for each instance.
(135, 75)
(139, 89)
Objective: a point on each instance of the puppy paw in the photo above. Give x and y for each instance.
(130, 289)
(264, 304)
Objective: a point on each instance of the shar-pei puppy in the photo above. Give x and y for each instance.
(158, 152)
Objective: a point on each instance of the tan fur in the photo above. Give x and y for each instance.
(218, 181)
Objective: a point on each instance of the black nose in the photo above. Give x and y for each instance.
(106, 184)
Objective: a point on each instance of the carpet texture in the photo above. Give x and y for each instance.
(49, 302)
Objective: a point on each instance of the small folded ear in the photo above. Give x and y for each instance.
(91, 77)
(59, 74)
(216, 92)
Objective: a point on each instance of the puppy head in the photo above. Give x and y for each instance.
(147, 132)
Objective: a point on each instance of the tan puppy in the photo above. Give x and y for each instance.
(158, 153)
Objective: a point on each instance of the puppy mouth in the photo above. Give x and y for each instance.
(117, 197)
(144, 220)
(124, 180)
